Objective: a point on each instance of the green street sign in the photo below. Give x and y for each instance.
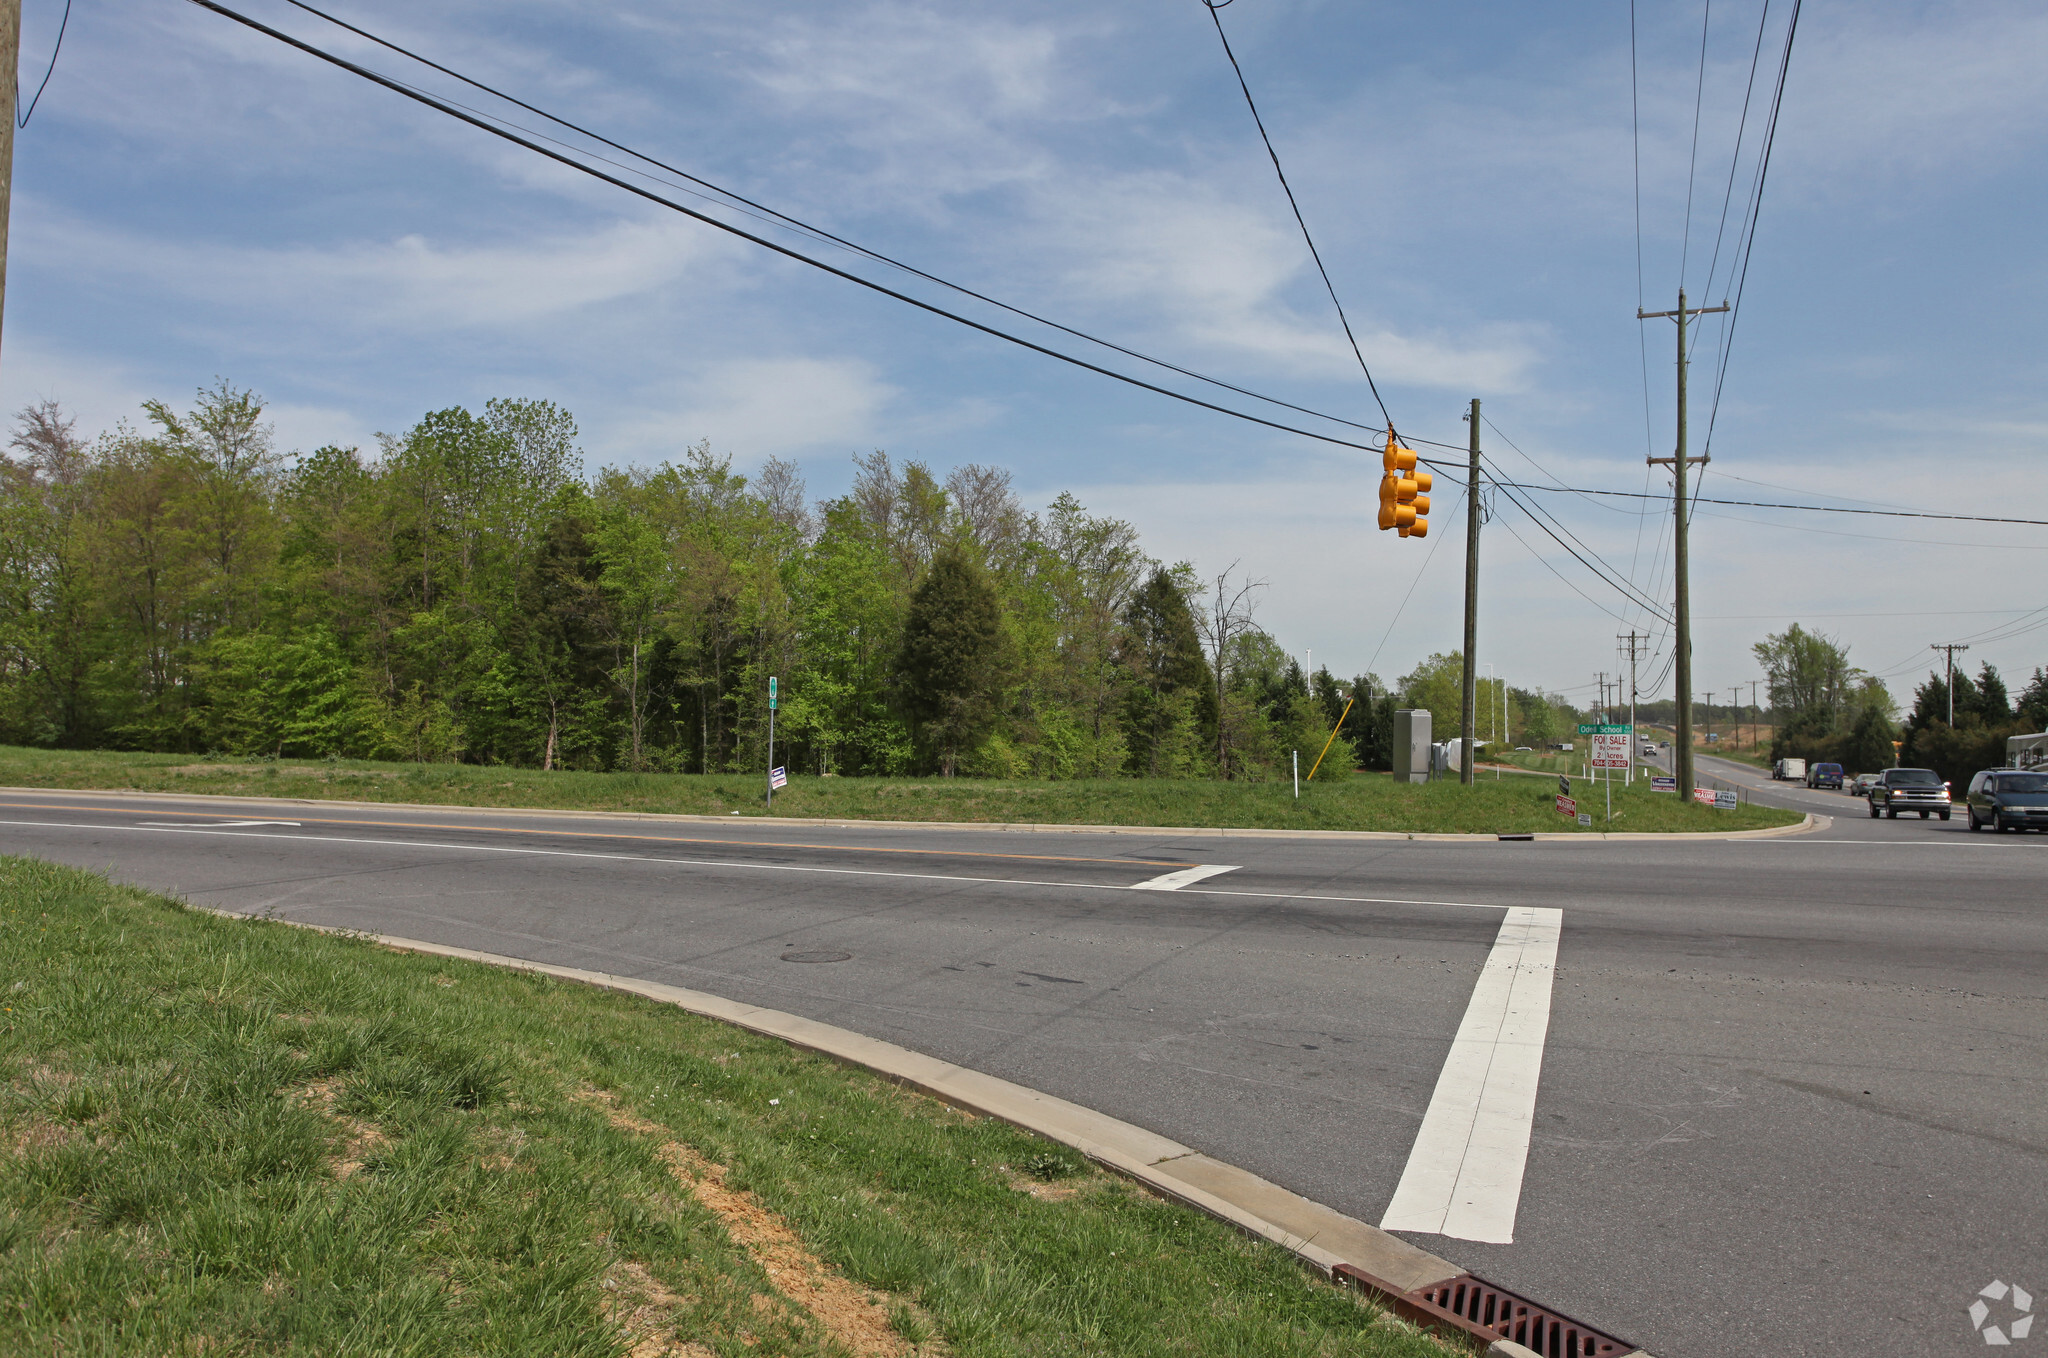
(1621, 730)
(771, 693)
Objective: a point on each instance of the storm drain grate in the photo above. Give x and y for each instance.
(1490, 1312)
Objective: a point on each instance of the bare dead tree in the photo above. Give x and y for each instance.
(781, 487)
(987, 507)
(1227, 616)
(49, 441)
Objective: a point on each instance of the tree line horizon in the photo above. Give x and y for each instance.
(466, 593)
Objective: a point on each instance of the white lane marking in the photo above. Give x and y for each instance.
(724, 863)
(1174, 881)
(1464, 1175)
(217, 825)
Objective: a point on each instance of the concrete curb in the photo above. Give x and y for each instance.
(1319, 1236)
(1002, 827)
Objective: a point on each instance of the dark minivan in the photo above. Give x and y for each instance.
(2009, 799)
(1823, 775)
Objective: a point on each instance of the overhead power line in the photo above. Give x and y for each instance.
(1748, 239)
(1216, 16)
(1765, 504)
(483, 124)
(821, 233)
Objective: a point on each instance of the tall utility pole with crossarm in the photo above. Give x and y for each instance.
(1951, 647)
(10, 62)
(1682, 600)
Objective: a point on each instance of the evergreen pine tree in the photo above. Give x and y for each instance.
(952, 642)
(1171, 684)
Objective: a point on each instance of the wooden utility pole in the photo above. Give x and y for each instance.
(10, 64)
(1468, 708)
(1950, 648)
(1682, 603)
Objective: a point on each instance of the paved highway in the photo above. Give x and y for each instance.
(1794, 1091)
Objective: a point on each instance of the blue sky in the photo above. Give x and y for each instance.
(192, 200)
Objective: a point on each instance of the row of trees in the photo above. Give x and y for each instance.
(466, 592)
(1828, 709)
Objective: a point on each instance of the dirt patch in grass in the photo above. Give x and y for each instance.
(361, 1139)
(858, 1320)
(645, 1310)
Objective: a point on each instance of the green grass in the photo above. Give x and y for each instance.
(1759, 759)
(236, 1137)
(1360, 802)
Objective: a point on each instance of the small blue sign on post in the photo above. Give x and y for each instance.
(1663, 784)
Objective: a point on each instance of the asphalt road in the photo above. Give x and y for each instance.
(1792, 1102)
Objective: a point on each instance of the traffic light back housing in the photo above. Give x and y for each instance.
(1404, 498)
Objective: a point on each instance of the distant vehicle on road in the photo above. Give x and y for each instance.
(1523, 749)
(1824, 775)
(2008, 799)
(1861, 787)
(1789, 770)
(1909, 790)
(1649, 750)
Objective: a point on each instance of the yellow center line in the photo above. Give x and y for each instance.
(602, 834)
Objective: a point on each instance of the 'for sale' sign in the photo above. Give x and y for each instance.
(1566, 806)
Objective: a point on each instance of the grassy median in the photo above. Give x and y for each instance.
(236, 1137)
(1360, 802)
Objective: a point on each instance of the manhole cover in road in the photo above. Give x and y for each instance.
(817, 956)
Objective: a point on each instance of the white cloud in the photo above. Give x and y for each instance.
(763, 407)
(410, 282)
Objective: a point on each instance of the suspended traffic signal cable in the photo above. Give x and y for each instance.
(485, 125)
(1554, 571)
(1215, 7)
(1606, 573)
(816, 231)
(1636, 594)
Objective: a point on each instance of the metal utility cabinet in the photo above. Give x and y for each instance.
(1411, 745)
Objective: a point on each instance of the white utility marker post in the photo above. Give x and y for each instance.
(771, 741)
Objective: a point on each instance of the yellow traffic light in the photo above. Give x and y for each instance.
(1404, 499)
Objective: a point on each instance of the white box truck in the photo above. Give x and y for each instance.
(1789, 770)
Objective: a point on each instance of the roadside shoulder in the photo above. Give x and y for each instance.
(989, 827)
